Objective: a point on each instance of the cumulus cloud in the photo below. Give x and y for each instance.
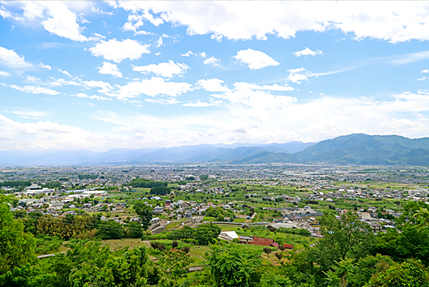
(117, 51)
(11, 59)
(212, 61)
(167, 69)
(55, 17)
(110, 69)
(296, 75)
(308, 52)
(212, 85)
(394, 22)
(255, 59)
(4, 74)
(104, 88)
(152, 87)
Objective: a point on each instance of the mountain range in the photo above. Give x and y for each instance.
(349, 149)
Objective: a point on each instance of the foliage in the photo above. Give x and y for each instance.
(160, 190)
(66, 226)
(410, 273)
(26, 276)
(144, 212)
(412, 242)
(16, 183)
(146, 183)
(133, 230)
(175, 263)
(53, 184)
(346, 237)
(110, 229)
(16, 246)
(230, 266)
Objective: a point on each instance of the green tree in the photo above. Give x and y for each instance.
(134, 229)
(144, 212)
(16, 246)
(175, 263)
(410, 273)
(346, 237)
(110, 229)
(230, 266)
(27, 276)
(206, 233)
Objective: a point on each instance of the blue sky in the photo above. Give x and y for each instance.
(102, 75)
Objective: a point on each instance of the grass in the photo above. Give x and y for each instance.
(116, 244)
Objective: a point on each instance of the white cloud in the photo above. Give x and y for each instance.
(117, 51)
(34, 90)
(275, 87)
(212, 61)
(410, 58)
(65, 73)
(199, 104)
(425, 71)
(55, 17)
(202, 54)
(187, 54)
(296, 76)
(391, 21)
(212, 85)
(308, 52)
(153, 87)
(29, 114)
(11, 59)
(62, 82)
(41, 65)
(110, 69)
(159, 42)
(255, 59)
(104, 88)
(167, 70)
(4, 74)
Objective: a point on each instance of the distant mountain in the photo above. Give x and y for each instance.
(196, 153)
(366, 149)
(350, 149)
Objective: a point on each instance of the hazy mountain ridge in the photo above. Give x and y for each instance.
(349, 149)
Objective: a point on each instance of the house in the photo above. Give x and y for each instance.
(158, 209)
(258, 241)
(228, 235)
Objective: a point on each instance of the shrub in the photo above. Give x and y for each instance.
(267, 251)
(174, 244)
(186, 249)
(279, 255)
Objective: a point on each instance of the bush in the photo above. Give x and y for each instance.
(186, 249)
(279, 255)
(267, 250)
(174, 244)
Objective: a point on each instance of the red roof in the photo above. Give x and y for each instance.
(261, 241)
(290, 246)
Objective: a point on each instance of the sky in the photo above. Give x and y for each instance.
(102, 75)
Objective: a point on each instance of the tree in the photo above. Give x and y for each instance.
(206, 233)
(110, 230)
(410, 273)
(134, 229)
(175, 263)
(343, 238)
(230, 266)
(16, 246)
(145, 213)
